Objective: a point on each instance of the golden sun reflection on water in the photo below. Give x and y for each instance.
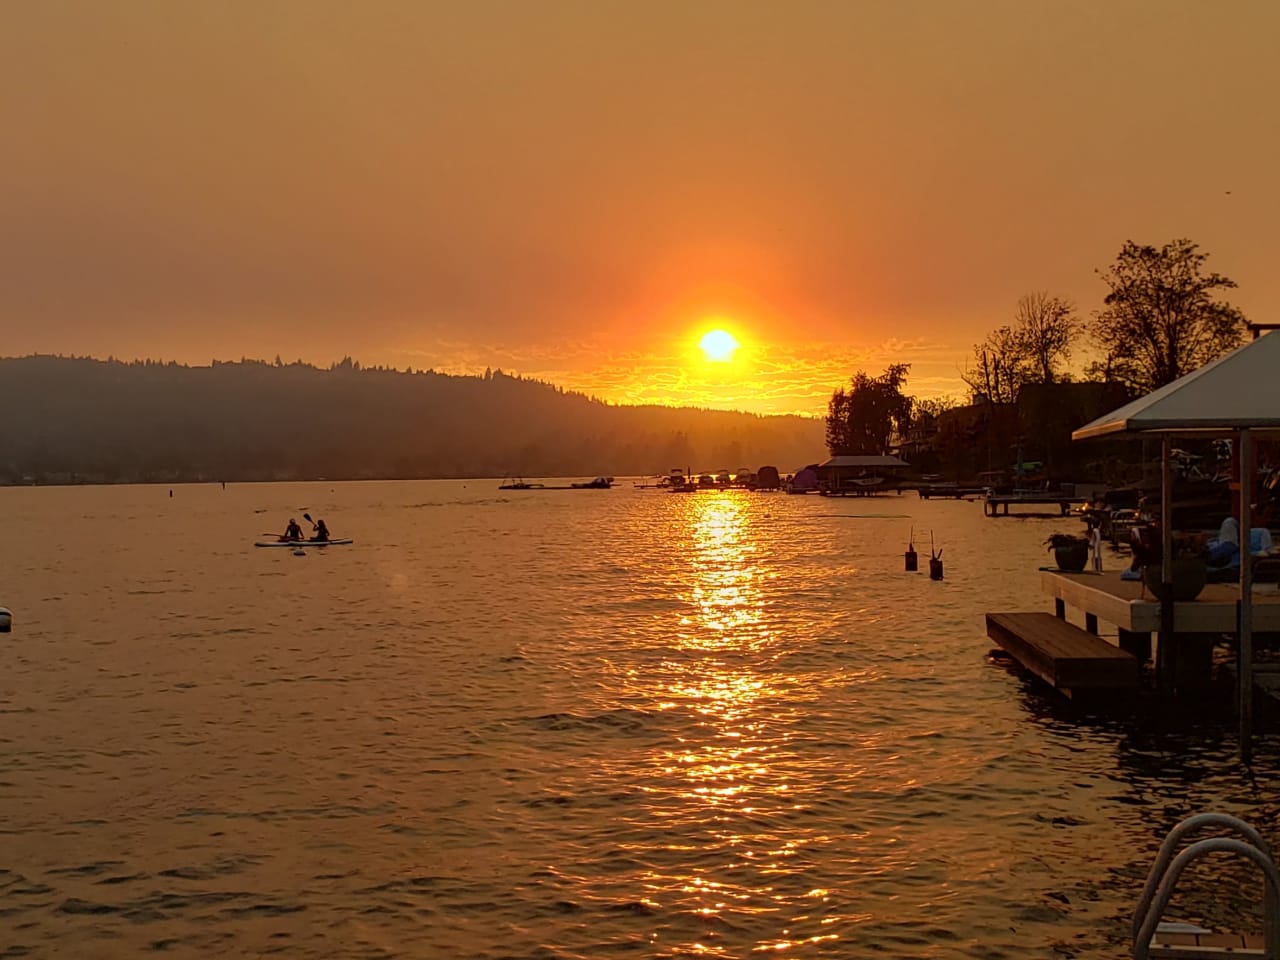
(738, 763)
(724, 589)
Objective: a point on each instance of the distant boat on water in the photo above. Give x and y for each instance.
(599, 483)
(517, 483)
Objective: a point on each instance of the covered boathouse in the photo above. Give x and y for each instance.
(1236, 396)
(859, 475)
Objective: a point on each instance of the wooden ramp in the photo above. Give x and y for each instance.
(1063, 655)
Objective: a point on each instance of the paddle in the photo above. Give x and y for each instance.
(316, 527)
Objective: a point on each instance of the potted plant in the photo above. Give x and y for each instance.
(1189, 569)
(1070, 551)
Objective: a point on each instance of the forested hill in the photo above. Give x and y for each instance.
(73, 419)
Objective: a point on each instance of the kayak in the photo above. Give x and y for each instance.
(303, 543)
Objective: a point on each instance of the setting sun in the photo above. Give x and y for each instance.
(718, 346)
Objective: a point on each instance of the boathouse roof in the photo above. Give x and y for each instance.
(1241, 389)
(870, 461)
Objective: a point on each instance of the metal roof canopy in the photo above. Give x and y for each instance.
(1238, 393)
(1240, 390)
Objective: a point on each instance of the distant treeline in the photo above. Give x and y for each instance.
(71, 419)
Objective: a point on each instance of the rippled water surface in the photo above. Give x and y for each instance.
(568, 724)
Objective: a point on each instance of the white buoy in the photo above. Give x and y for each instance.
(6, 620)
(299, 552)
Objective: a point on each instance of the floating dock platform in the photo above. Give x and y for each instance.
(949, 491)
(998, 504)
(1069, 659)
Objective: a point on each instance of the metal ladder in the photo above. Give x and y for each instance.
(1167, 868)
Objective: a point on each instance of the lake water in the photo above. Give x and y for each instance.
(564, 724)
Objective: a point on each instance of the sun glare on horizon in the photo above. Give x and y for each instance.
(719, 346)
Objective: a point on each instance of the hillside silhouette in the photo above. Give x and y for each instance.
(70, 419)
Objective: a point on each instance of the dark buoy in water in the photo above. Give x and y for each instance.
(935, 560)
(912, 562)
(6, 620)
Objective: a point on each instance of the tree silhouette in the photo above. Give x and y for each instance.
(1030, 350)
(1046, 328)
(861, 420)
(1162, 319)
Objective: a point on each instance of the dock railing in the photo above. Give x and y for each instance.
(1167, 868)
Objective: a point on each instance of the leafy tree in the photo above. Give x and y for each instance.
(861, 420)
(1162, 319)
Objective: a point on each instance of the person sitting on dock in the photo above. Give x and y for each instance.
(1224, 549)
(293, 531)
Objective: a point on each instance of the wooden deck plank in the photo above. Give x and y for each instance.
(1061, 654)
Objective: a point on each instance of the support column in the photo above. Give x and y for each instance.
(1244, 668)
(1164, 644)
(1137, 644)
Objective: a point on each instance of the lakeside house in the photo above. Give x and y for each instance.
(965, 441)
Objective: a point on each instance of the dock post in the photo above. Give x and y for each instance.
(1091, 623)
(1059, 608)
(1244, 614)
(1138, 644)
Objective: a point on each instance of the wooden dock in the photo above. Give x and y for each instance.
(1064, 656)
(1184, 664)
(857, 491)
(1128, 605)
(998, 504)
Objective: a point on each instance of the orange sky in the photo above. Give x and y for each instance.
(568, 190)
